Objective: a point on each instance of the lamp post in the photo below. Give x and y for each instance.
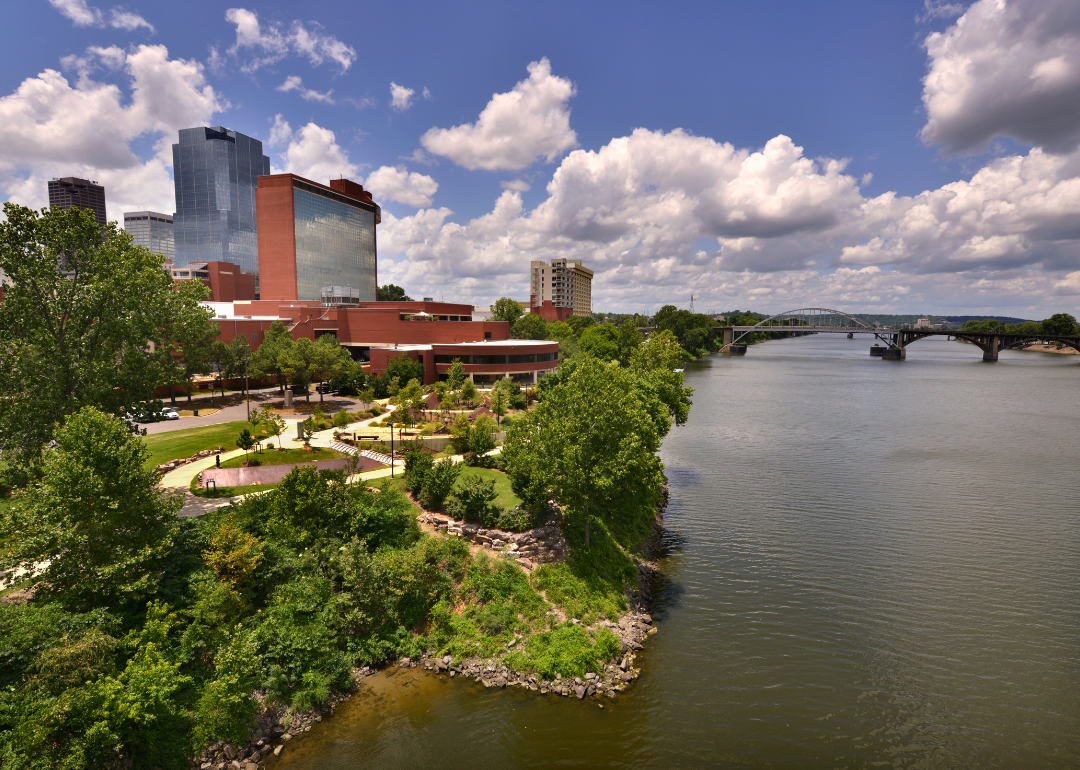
(391, 450)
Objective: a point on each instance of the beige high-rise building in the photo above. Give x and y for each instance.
(564, 283)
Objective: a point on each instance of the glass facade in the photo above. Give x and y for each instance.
(152, 230)
(335, 243)
(215, 171)
(528, 358)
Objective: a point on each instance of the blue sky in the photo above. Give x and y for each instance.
(869, 156)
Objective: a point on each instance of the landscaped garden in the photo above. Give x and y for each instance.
(184, 443)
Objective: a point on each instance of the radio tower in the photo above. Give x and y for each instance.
(691, 303)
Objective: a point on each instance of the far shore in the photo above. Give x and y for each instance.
(1053, 349)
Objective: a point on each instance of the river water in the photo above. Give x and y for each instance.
(869, 563)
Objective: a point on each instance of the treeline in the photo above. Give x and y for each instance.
(1059, 324)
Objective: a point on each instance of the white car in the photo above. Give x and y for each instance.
(170, 414)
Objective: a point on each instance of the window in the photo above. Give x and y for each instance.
(487, 335)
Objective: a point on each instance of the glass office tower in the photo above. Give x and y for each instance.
(152, 230)
(335, 243)
(215, 172)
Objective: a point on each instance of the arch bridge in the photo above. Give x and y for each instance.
(819, 320)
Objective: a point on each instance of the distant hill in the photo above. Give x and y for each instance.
(959, 319)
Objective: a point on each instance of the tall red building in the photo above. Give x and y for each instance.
(316, 240)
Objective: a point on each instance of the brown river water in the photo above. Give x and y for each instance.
(868, 564)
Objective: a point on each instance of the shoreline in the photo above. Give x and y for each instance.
(274, 728)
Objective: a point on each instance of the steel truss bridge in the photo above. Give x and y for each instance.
(819, 320)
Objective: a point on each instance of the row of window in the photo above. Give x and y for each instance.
(529, 358)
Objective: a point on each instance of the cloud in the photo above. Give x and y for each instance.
(788, 229)
(515, 129)
(271, 42)
(311, 152)
(45, 122)
(83, 14)
(517, 185)
(296, 83)
(419, 156)
(397, 184)
(401, 98)
(1005, 69)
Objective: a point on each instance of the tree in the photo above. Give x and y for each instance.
(275, 426)
(330, 359)
(85, 322)
(506, 309)
(628, 339)
(236, 360)
(1059, 323)
(233, 554)
(268, 357)
(499, 403)
(392, 293)
(301, 361)
(410, 397)
(591, 443)
(529, 327)
(654, 364)
(97, 517)
(246, 441)
(192, 335)
(404, 368)
(579, 323)
(469, 393)
(341, 419)
(601, 341)
(456, 375)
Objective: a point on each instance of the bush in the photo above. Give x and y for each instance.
(516, 519)
(474, 500)
(567, 650)
(439, 482)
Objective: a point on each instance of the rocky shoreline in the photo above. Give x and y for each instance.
(273, 729)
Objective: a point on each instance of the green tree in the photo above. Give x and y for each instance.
(529, 327)
(469, 392)
(499, 403)
(601, 341)
(392, 293)
(246, 441)
(85, 322)
(506, 309)
(192, 334)
(97, 517)
(410, 397)
(579, 323)
(1059, 323)
(591, 443)
(404, 368)
(654, 365)
(275, 426)
(330, 360)
(628, 339)
(456, 375)
(301, 361)
(268, 358)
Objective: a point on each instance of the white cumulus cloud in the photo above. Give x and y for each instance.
(1005, 68)
(271, 42)
(398, 184)
(43, 139)
(401, 98)
(311, 152)
(515, 129)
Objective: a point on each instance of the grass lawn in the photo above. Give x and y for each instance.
(507, 499)
(184, 443)
(214, 494)
(286, 456)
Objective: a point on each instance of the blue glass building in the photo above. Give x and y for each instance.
(215, 172)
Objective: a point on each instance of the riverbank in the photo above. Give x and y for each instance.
(1052, 349)
(275, 728)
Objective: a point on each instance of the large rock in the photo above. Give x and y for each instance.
(580, 691)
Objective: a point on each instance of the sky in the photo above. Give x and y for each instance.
(907, 157)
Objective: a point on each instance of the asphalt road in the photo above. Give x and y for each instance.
(231, 413)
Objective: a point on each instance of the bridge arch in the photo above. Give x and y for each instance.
(815, 317)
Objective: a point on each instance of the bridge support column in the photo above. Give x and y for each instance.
(993, 345)
(729, 337)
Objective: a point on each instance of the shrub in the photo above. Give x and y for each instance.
(417, 467)
(439, 481)
(567, 650)
(474, 500)
(516, 519)
(341, 419)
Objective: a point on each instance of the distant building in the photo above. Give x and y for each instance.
(227, 283)
(214, 173)
(152, 230)
(561, 289)
(314, 237)
(69, 191)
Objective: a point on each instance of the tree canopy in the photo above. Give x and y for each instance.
(392, 293)
(89, 319)
(506, 309)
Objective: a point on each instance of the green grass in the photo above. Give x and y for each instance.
(285, 456)
(214, 494)
(184, 443)
(507, 499)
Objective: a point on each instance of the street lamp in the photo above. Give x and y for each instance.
(391, 450)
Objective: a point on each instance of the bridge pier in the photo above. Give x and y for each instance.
(993, 345)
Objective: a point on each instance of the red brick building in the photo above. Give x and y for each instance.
(226, 282)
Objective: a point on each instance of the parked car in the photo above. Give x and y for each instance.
(324, 387)
(170, 414)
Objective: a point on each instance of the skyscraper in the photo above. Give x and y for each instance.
(69, 191)
(152, 230)
(316, 240)
(215, 172)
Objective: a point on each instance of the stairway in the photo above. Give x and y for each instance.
(378, 457)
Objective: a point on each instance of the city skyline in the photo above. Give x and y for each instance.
(916, 158)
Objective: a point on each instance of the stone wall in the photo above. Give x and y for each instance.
(541, 545)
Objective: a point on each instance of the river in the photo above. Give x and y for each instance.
(868, 563)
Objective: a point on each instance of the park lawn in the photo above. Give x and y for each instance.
(214, 494)
(286, 456)
(507, 499)
(184, 443)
